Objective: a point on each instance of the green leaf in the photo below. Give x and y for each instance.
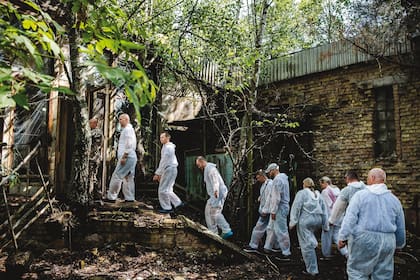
(59, 29)
(21, 39)
(136, 62)
(52, 46)
(82, 25)
(5, 74)
(138, 74)
(131, 45)
(64, 90)
(55, 49)
(27, 42)
(144, 98)
(133, 98)
(36, 77)
(44, 27)
(107, 43)
(32, 5)
(29, 24)
(76, 6)
(152, 91)
(106, 29)
(99, 48)
(6, 101)
(21, 100)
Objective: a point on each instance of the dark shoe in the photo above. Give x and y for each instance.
(109, 200)
(164, 211)
(267, 252)
(182, 205)
(100, 202)
(129, 200)
(304, 272)
(227, 235)
(325, 258)
(249, 249)
(283, 258)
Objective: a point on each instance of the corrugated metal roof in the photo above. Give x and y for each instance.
(314, 60)
(323, 58)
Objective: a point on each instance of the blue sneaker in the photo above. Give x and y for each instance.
(227, 235)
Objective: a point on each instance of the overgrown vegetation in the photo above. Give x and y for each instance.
(142, 46)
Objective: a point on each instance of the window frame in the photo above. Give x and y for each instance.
(384, 125)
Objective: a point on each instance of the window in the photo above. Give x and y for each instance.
(384, 122)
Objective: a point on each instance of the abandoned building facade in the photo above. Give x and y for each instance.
(362, 112)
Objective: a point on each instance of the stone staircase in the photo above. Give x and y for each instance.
(137, 221)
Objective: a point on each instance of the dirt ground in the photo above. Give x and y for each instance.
(132, 261)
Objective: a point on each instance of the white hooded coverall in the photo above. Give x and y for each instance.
(168, 171)
(309, 214)
(330, 195)
(214, 206)
(374, 226)
(277, 231)
(265, 210)
(124, 173)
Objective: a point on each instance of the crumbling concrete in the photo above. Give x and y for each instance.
(136, 222)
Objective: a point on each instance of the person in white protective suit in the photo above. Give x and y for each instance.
(330, 194)
(166, 174)
(217, 191)
(264, 210)
(308, 214)
(373, 227)
(127, 158)
(280, 241)
(340, 205)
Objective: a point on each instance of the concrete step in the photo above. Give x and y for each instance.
(125, 222)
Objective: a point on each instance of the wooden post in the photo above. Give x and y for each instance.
(7, 151)
(45, 185)
(9, 218)
(249, 169)
(3, 182)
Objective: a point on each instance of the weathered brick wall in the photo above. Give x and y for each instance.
(340, 106)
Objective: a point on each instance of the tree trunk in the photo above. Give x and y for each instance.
(77, 188)
(247, 121)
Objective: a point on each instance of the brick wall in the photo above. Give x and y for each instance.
(339, 106)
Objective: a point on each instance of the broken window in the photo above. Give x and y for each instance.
(384, 122)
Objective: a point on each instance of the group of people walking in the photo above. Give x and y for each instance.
(123, 176)
(366, 222)
(215, 186)
(274, 208)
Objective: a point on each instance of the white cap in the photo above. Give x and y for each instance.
(271, 166)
